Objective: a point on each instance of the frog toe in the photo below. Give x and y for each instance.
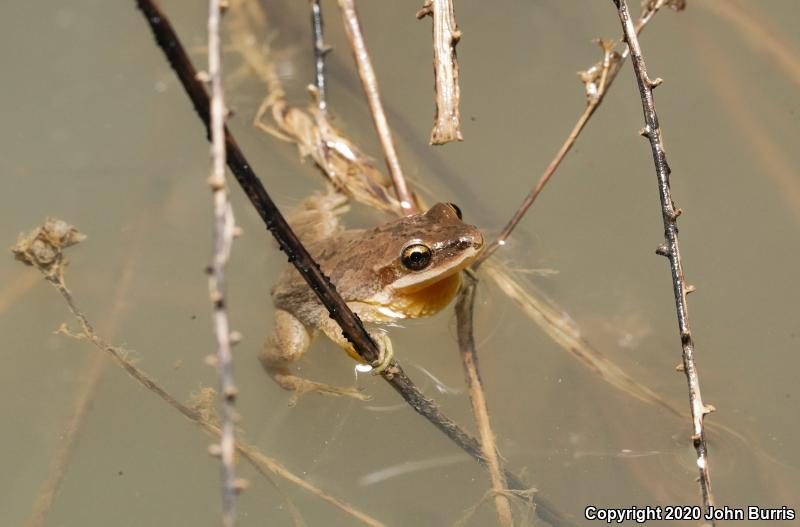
(386, 353)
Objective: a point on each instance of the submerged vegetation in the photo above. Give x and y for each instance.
(322, 135)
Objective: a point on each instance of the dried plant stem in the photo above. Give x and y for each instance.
(93, 373)
(263, 462)
(598, 80)
(370, 84)
(351, 326)
(342, 162)
(275, 222)
(223, 242)
(447, 122)
(537, 188)
(259, 460)
(670, 248)
(320, 50)
(469, 356)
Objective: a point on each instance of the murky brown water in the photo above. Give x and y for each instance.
(97, 131)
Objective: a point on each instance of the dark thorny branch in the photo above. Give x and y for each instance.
(169, 43)
(670, 248)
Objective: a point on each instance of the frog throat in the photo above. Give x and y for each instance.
(422, 302)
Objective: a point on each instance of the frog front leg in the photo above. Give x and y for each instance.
(386, 353)
(288, 343)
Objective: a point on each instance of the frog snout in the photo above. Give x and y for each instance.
(477, 241)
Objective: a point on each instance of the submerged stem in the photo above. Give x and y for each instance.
(469, 357)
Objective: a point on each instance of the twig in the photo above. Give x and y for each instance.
(447, 122)
(342, 162)
(43, 249)
(466, 343)
(351, 326)
(370, 84)
(288, 242)
(320, 50)
(670, 248)
(93, 373)
(597, 79)
(223, 242)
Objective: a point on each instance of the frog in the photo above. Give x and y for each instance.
(406, 268)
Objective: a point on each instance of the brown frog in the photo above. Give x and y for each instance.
(406, 268)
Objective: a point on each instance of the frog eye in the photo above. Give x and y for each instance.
(457, 209)
(416, 257)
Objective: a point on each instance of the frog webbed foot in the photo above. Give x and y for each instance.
(288, 344)
(300, 386)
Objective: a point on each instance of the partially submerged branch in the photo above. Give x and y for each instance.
(343, 163)
(351, 326)
(670, 248)
(597, 80)
(370, 84)
(275, 222)
(447, 121)
(469, 356)
(43, 248)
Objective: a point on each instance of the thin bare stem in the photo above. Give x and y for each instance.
(598, 80)
(342, 162)
(43, 248)
(537, 188)
(241, 168)
(91, 377)
(466, 342)
(320, 50)
(370, 84)
(223, 241)
(447, 121)
(670, 248)
(275, 222)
